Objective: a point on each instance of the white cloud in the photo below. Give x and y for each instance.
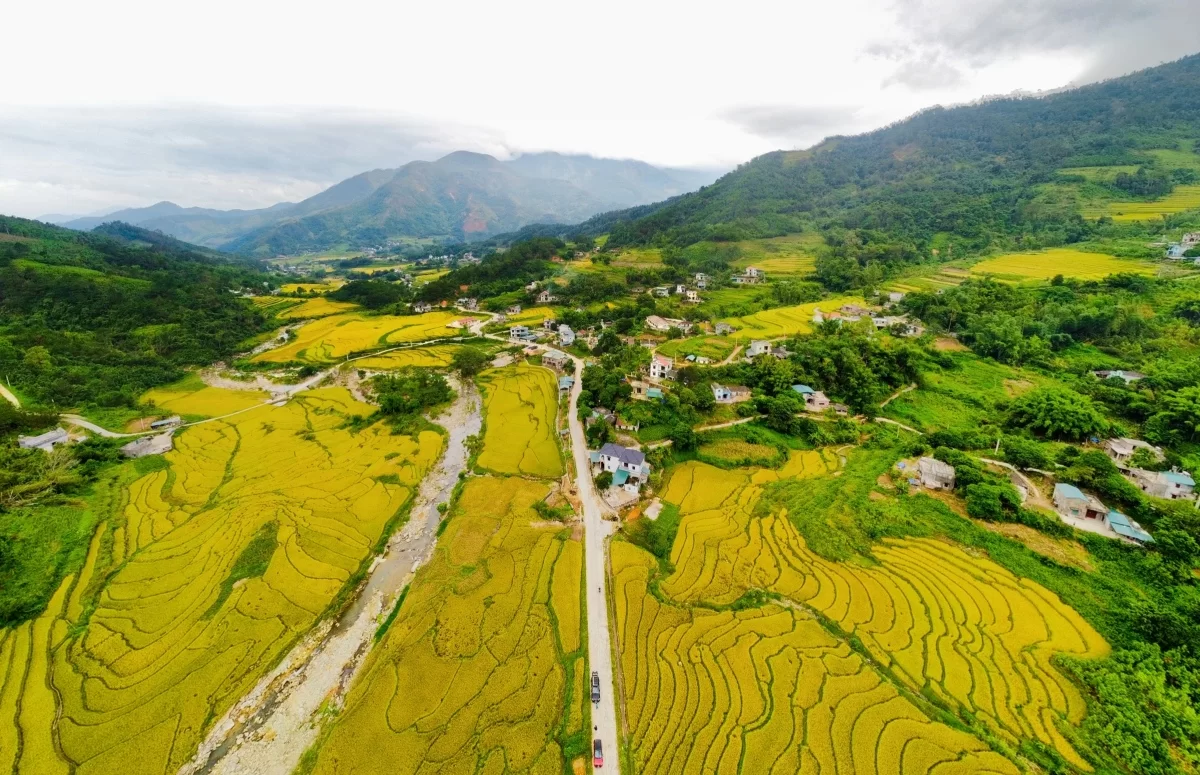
(244, 103)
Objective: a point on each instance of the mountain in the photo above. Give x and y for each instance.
(971, 175)
(462, 196)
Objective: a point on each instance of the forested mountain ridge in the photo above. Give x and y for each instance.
(98, 318)
(972, 172)
(461, 196)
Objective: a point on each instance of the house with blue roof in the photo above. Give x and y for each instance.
(1127, 529)
(1172, 485)
(1070, 501)
(803, 390)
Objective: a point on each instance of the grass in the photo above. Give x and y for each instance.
(716, 348)
(1044, 265)
(214, 560)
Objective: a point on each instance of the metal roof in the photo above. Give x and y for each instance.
(803, 389)
(1179, 477)
(1124, 526)
(1069, 491)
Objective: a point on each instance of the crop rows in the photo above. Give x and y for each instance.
(767, 690)
(1181, 199)
(483, 669)
(784, 321)
(336, 336)
(520, 437)
(217, 564)
(1046, 264)
(974, 634)
(436, 357)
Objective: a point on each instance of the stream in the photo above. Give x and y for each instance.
(271, 727)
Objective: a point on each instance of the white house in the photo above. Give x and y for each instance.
(545, 297)
(1120, 450)
(1128, 376)
(661, 367)
(758, 347)
(555, 359)
(657, 323)
(513, 309)
(628, 466)
(566, 337)
(680, 289)
(691, 297)
(662, 291)
(701, 280)
(519, 333)
(45, 442)
(422, 306)
(730, 394)
(468, 304)
(723, 328)
(936, 474)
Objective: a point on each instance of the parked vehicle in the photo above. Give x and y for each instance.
(597, 754)
(595, 687)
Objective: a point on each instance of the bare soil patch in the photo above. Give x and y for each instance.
(948, 344)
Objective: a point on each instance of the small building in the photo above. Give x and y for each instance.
(935, 474)
(461, 323)
(758, 347)
(661, 367)
(1175, 251)
(421, 307)
(555, 359)
(519, 333)
(816, 401)
(691, 297)
(680, 289)
(1128, 376)
(730, 394)
(662, 291)
(513, 309)
(723, 328)
(781, 353)
(565, 383)
(701, 279)
(46, 441)
(1070, 501)
(545, 297)
(167, 422)
(1172, 485)
(158, 444)
(654, 394)
(1120, 450)
(804, 391)
(750, 276)
(468, 304)
(566, 337)
(550, 324)
(601, 414)
(661, 324)
(1127, 529)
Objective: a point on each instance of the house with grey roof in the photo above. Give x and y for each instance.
(935, 474)
(1120, 450)
(627, 466)
(46, 441)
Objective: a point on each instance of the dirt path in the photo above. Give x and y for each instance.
(9, 397)
(908, 428)
(268, 731)
(897, 394)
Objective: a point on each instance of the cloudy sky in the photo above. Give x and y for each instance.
(246, 103)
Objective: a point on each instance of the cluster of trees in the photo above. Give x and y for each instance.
(522, 263)
(93, 319)
(372, 294)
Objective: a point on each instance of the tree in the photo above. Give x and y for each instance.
(1058, 413)
(683, 438)
(1024, 453)
(469, 361)
(604, 480)
(1179, 417)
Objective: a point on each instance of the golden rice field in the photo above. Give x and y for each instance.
(332, 338)
(426, 277)
(530, 316)
(785, 321)
(215, 565)
(316, 308)
(191, 397)
(780, 256)
(939, 619)
(520, 433)
(482, 670)
(435, 357)
(1181, 199)
(330, 285)
(1045, 264)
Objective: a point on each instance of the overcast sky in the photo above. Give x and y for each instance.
(245, 103)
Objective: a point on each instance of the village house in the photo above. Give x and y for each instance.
(723, 328)
(545, 297)
(691, 297)
(730, 394)
(750, 276)
(1125, 375)
(519, 333)
(661, 367)
(1120, 450)
(758, 347)
(468, 304)
(513, 309)
(166, 422)
(1126, 529)
(1172, 485)
(550, 324)
(1070, 501)
(662, 291)
(701, 280)
(565, 383)
(657, 323)
(1190, 240)
(566, 337)
(626, 424)
(935, 474)
(421, 306)
(781, 353)
(627, 466)
(816, 401)
(680, 289)
(1175, 251)
(46, 441)
(460, 323)
(600, 414)
(533, 286)
(555, 359)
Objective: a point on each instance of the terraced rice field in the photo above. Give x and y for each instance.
(436, 357)
(428, 276)
(946, 277)
(190, 397)
(333, 338)
(1181, 199)
(325, 287)
(482, 670)
(316, 308)
(212, 567)
(787, 256)
(1045, 264)
(530, 316)
(708, 688)
(520, 434)
(784, 321)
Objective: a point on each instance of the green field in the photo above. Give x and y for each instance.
(714, 347)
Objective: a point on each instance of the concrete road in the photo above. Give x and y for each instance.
(596, 534)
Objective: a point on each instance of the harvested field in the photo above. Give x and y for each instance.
(1045, 264)
(335, 337)
(211, 568)
(482, 669)
(938, 618)
(520, 433)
